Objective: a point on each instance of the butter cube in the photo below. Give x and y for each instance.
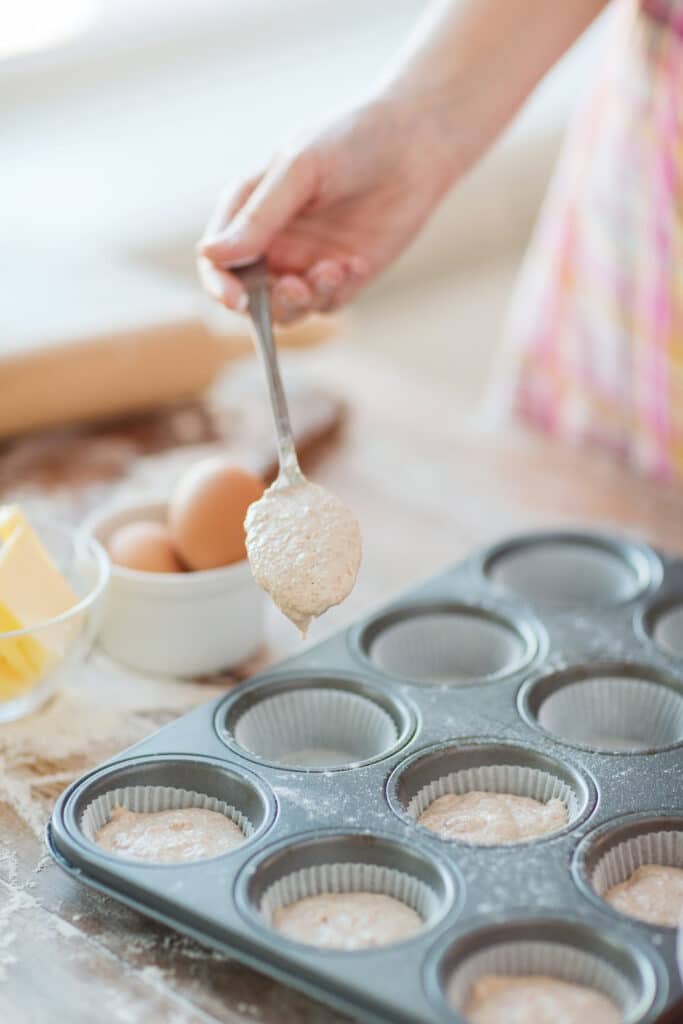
(31, 586)
(11, 516)
(32, 591)
(23, 659)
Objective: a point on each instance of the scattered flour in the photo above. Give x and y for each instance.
(41, 754)
(15, 903)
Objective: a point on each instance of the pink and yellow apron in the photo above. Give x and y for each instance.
(598, 318)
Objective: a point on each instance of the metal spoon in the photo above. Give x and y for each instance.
(254, 277)
(304, 547)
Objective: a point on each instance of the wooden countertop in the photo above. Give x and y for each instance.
(427, 490)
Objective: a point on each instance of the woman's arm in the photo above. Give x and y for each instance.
(333, 213)
(471, 63)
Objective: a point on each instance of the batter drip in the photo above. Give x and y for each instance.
(304, 548)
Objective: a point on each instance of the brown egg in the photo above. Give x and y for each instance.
(146, 546)
(206, 512)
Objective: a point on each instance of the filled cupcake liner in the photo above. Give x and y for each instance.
(524, 958)
(622, 859)
(349, 878)
(149, 799)
(614, 713)
(518, 780)
(316, 727)
(447, 647)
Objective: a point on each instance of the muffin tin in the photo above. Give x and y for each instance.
(549, 665)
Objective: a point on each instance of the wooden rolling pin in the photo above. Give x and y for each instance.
(109, 341)
(119, 373)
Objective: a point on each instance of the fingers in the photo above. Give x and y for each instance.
(248, 221)
(328, 284)
(222, 286)
(231, 200)
(325, 279)
(294, 296)
(290, 299)
(277, 198)
(334, 281)
(218, 283)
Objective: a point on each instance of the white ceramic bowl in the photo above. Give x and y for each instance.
(179, 624)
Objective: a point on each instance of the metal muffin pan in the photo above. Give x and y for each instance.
(325, 758)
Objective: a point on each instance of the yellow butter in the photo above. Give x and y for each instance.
(11, 516)
(23, 659)
(32, 591)
(31, 586)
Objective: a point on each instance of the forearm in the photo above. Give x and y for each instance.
(471, 63)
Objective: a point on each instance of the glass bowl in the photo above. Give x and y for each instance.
(49, 650)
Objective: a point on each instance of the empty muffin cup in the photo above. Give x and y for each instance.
(490, 768)
(614, 708)
(447, 644)
(145, 786)
(567, 951)
(664, 623)
(610, 856)
(349, 864)
(314, 723)
(571, 569)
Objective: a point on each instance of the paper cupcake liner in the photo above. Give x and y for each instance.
(668, 631)
(613, 713)
(349, 878)
(447, 647)
(316, 728)
(515, 779)
(619, 862)
(148, 799)
(566, 571)
(532, 957)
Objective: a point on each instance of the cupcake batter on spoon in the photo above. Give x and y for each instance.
(303, 544)
(304, 548)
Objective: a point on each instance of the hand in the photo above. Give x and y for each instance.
(329, 216)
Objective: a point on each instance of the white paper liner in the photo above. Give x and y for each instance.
(149, 799)
(348, 878)
(519, 780)
(619, 862)
(447, 647)
(569, 572)
(552, 959)
(614, 713)
(316, 728)
(668, 631)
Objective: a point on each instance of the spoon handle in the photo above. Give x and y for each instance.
(254, 277)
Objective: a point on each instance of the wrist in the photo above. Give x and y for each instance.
(425, 129)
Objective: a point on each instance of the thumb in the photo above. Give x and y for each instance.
(282, 193)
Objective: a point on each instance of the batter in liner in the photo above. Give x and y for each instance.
(350, 920)
(537, 999)
(304, 548)
(487, 818)
(653, 893)
(168, 837)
